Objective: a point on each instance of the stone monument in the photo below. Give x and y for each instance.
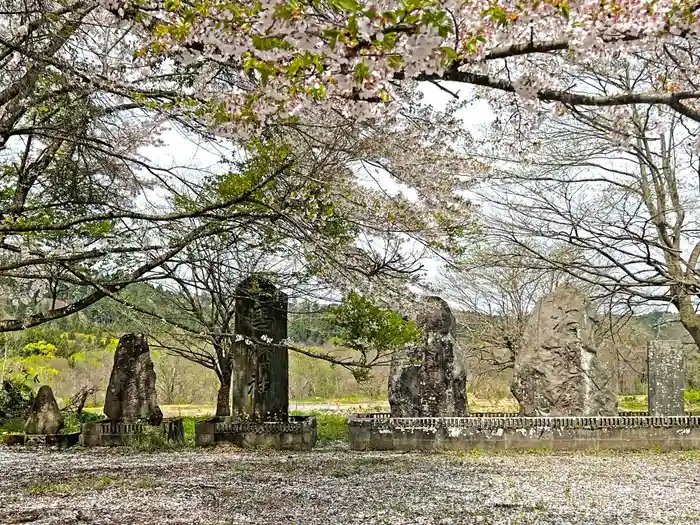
(557, 371)
(666, 376)
(131, 394)
(260, 375)
(429, 379)
(45, 417)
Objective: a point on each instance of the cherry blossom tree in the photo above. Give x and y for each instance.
(77, 194)
(76, 112)
(84, 86)
(324, 228)
(278, 57)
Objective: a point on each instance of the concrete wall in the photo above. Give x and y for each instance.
(523, 433)
(298, 433)
(666, 376)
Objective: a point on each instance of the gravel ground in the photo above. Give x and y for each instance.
(340, 487)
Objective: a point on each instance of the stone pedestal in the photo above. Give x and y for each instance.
(260, 373)
(666, 376)
(296, 433)
(108, 433)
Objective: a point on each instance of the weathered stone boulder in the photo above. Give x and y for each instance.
(429, 380)
(557, 371)
(45, 417)
(131, 394)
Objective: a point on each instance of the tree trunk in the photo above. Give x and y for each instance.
(223, 398)
(687, 314)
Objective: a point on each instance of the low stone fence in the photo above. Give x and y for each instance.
(108, 433)
(381, 432)
(45, 440)
(295, 433)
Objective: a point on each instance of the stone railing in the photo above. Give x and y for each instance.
(387, 415)
(118, 433)
(292, 433)
(515, 432)
(48, 440)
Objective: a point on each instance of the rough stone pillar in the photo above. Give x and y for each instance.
(666, 376)
(430, 380)
(45, 417)
(557, 371)
(131, 394)
(261, 370)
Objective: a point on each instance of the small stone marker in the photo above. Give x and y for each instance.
(666, 377)
(261, 370)
(429, 380)
(131, 394)
(557, 371)
(45, 417)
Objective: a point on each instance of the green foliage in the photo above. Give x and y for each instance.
(72, 421)
(151, 439)
(188, 424)
(16, 398)
(692, 396)
(309, 324)
(41, 348)
(12, 426)
(365, 327)
(55, 341)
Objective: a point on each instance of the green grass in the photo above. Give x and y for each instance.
(12, 426)
(188, 423)
(640, 402)
(344, 400)
(330, 426)
(632, 403)
(75, 486)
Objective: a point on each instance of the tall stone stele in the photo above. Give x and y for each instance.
(557, 371)
(666, 378)
(45, 417)
(429, 379)
(260, 380)
(131, 394)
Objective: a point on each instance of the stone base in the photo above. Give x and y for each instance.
(297, 433)
(46, 440)
(108, 433)
(378, 432)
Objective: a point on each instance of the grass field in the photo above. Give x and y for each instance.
(346, 404)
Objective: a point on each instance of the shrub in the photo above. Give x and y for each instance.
(16, 398)
(692, 395)
(151, 439)
(72, 421)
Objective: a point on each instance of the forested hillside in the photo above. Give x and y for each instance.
(76, 352)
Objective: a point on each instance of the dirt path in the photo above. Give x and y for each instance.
(220, 487)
